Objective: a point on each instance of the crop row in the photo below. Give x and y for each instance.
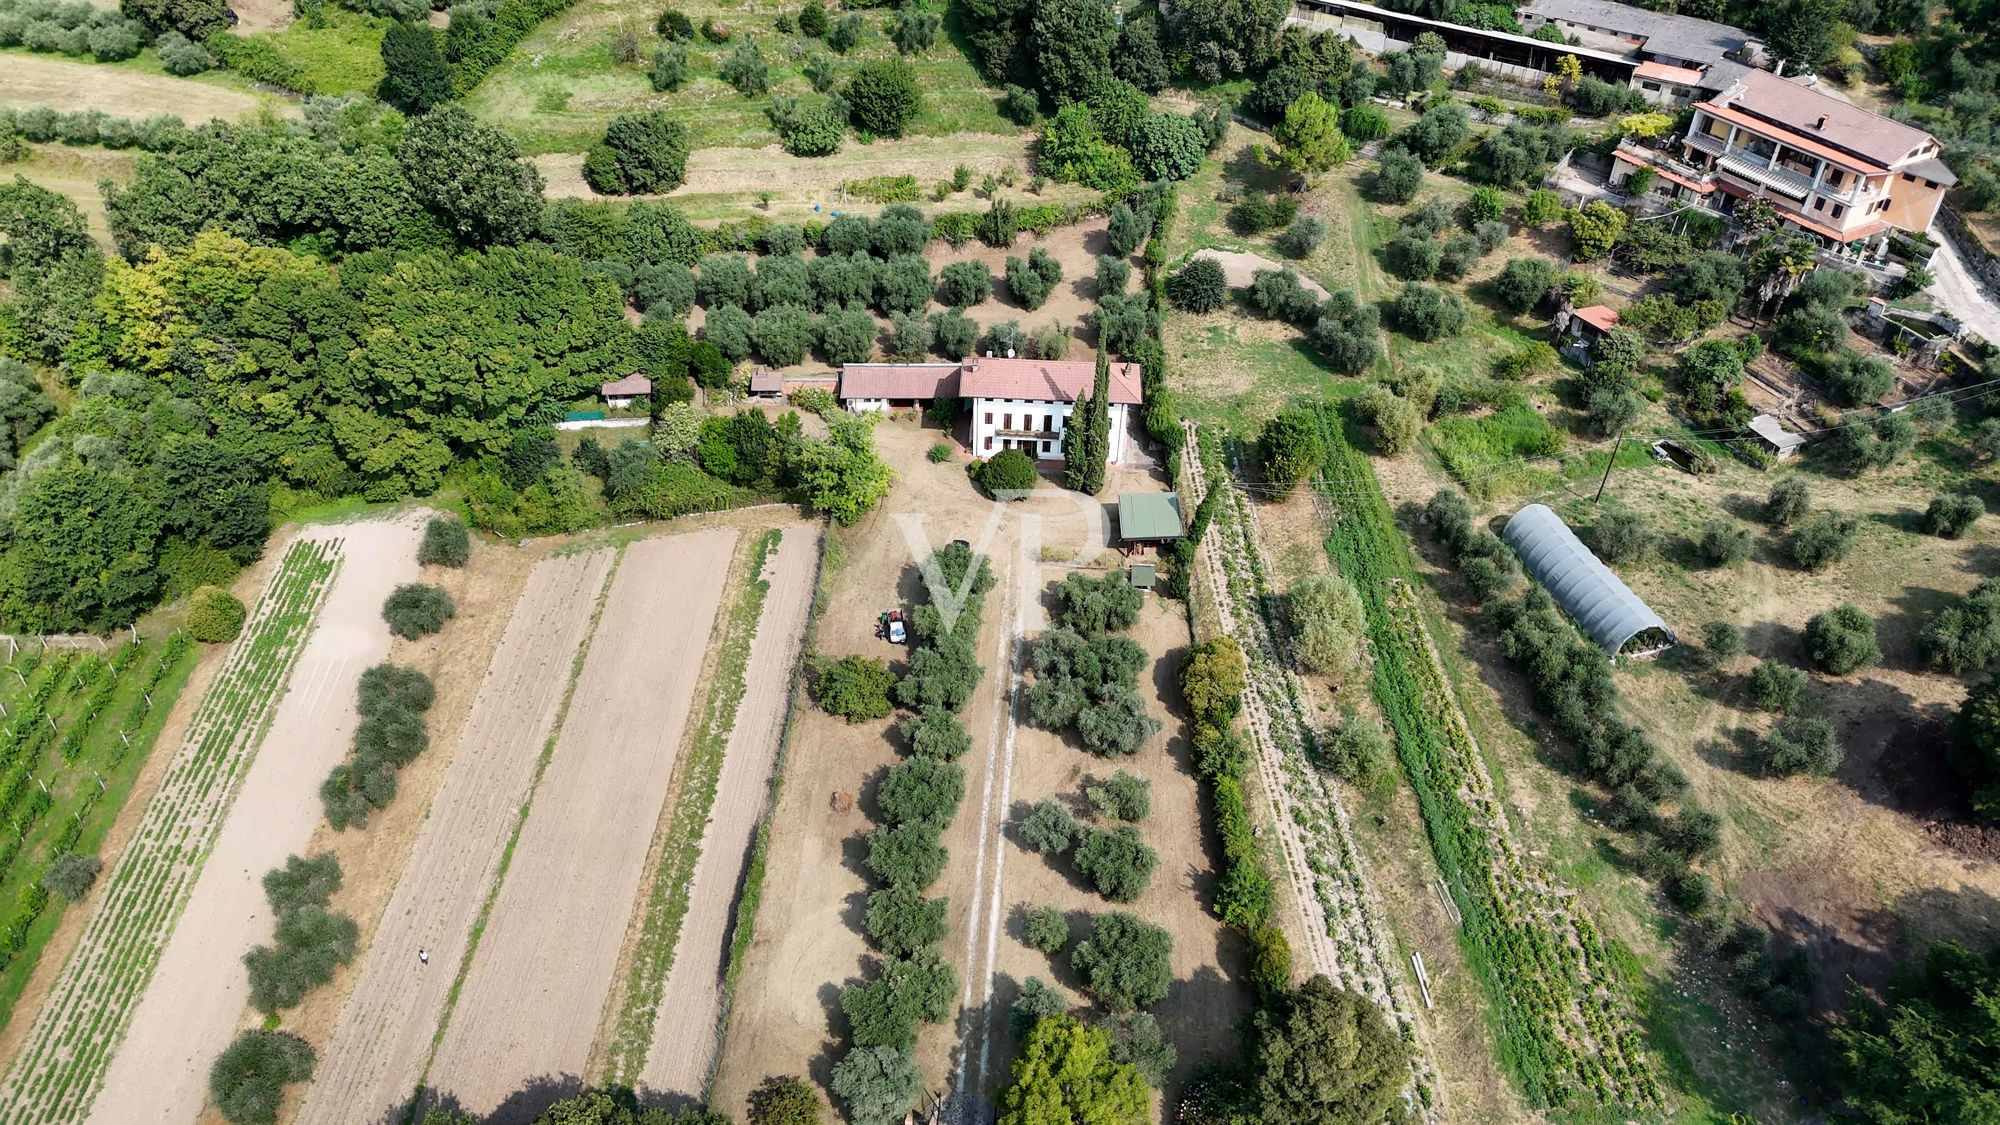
(701, 771)
(1565, 1030)
(60, 1067)
(1318, 850)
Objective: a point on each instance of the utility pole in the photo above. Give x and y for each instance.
(1616, 446)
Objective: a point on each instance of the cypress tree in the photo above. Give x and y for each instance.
(415, 75)
(1099, 427)
(1076, 445)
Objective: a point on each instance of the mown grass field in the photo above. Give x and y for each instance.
(563, 83)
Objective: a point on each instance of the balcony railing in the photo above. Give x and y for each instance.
(1747, 165)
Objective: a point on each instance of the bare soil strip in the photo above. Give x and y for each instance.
(538, 982)
(686, 1028)
(60, 1067)
(200, 989)
(390, 1022)
(28, 80)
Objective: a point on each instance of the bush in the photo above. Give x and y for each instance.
(70, 875)
(1723, 543)
(1358, 751)
(1302, 237)
(1621, 537)
(1856, 380)
(214, 615)
(446, 543)
(247, 1081)
(1124, 797)
(1118, 863)
(415, 609)
(1429, 314)
(1050, 828)
(1822, 540)
(921, 791)
(1397, 420)
(1788, 502)
(953, 334)
(1167, 146)
(906, 855)
(902, 922)
(1541, 208)
(1776, 687)
(855, 688)
(1020, 105)
(650, 152)
(182, 56)
(1951, 514)
(310, 945)
(1038, 1001)
(1046, 929)
(1126, 963)
(1523, 283)
(964, 284)
(887, 1010)
(1090, 606)
(789, 1100)
(1114, 274)
(1328, 624)
(1199, 286)
(1841, 640)
(1031, 281)
(1723, 640)
(883, 96)
(1397, 177)
(1797, 744)
(1280, 294)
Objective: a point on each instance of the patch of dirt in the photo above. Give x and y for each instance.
(535, 990)
(272, 15)
(684, 1037)
(199, 988)
(1240, 268)
(33, 80)
(376, 1048)
(797, 183)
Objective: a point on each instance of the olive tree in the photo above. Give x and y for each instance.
(1125, 962)
(416, 609)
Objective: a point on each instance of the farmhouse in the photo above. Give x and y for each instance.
(1579, 330)
(1019, 404)
(1837, 172)
(621, 393)
(1663, 38)
(1606, 609)
(1376, 30)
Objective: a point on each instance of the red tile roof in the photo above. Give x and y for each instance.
(1799, 111)
(1601, 317)
(1042, 380)
(899, 380)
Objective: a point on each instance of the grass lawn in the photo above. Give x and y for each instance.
(562, 84)
(344, 57)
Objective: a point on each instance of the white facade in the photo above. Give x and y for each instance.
(1035, 427)
(867, 405)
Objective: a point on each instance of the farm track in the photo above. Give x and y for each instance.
(690, 998)
(200, 990)
(60, 1068)
(535, 992)
(1346, 935)
(390, 1021)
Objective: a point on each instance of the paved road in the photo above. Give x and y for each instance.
(1959, 293)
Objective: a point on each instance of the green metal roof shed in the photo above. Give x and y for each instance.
(1149, 517)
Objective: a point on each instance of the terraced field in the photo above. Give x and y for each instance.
(60, 1069)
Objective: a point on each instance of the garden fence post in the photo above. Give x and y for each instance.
(1615, 448)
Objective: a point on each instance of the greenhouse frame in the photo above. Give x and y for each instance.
(1606, 609)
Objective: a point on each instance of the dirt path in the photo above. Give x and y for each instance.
(199, 990)
(33, 80)
(378, 1052)
(803, 181)
(1959, 293)
(535, 990)
(684, 1037)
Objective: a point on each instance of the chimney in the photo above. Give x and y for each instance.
(1821, 123)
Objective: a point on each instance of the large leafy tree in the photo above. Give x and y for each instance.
(1065, 1073)
(1227, 37)
(1325, 1056)
(1309, 139)
(82, 552)
(1072, 46)
(196, 19)
(842, 476)
(415, 76)
(647, 153)
(1931, 1052)
(472, 175)
(54, 267)
(883, 97)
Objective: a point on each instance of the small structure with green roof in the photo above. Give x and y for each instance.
(1148, 520)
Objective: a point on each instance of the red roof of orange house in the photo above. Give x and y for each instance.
(1661, 72)
(1792, 138)
(1806, 111)
(1601, 317)
(898, 380)
(633, 384)
(1044, 380)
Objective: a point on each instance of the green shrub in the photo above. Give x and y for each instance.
(1425, 313)
(1050, 827)
(1358, 750)
(1723, 543)
(921, 790)
(913, 990)
(446, 543)
(906, 855)
(935, 732)
(1038, 1000)
(1126, 963)
(1118, 863)
(1124, 797)
(855, 688)
(1776, 687)
(901, 921)
(1788, 502)
(1010, 470)
(311, 943)
(247, 1081)
(70, 875)
(1199, 286)
(1107, 603)
(1046, 929)
(787, 1100)
(1327, 623)
(1823, 539)
(1270, 960)
(214, 615)
(1841, 640)
(415, 609)
(1723, 640)
(964, 284)
(1951, 514)
(1797, 744)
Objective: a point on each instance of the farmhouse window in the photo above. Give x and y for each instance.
(1009, 423)
(989, 417)
(1048, 423)
(989, 441)
(1047, 445)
